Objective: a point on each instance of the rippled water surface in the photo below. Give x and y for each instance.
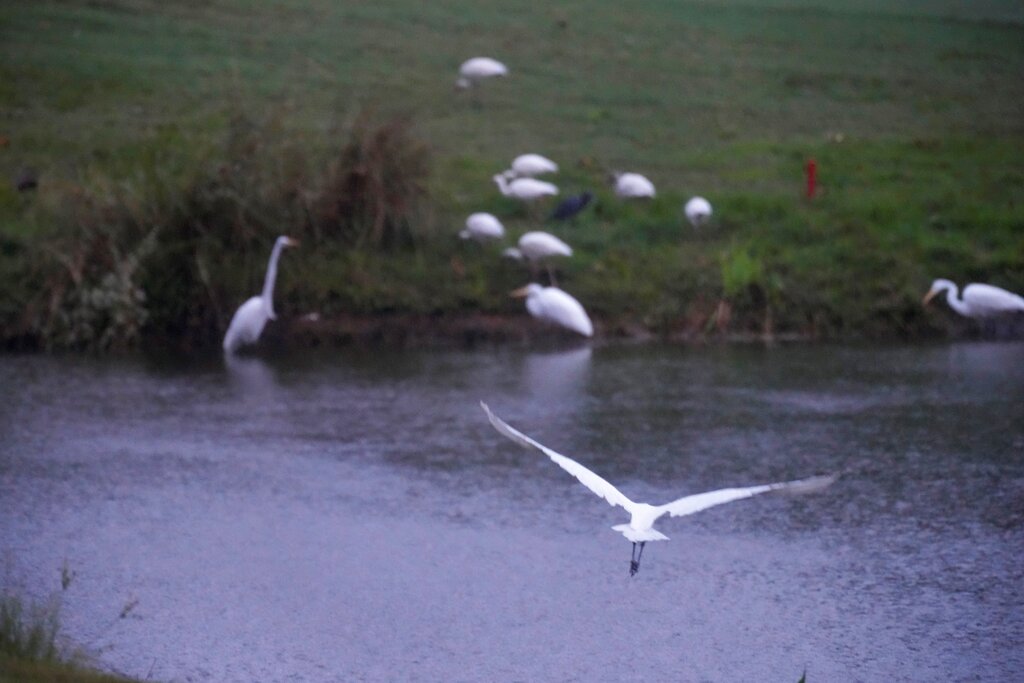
(352, 516)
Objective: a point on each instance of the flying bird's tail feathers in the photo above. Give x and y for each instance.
(639, 536)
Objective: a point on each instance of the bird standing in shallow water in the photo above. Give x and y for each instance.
(553, 305)
(643, 516)
(979, 300)
(250, 318)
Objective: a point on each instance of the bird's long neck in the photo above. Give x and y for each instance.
(271, 278)
(952, 294)
(502, 184)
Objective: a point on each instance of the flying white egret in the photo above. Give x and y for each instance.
(698, 211)
(529, 165)
(633, 186)
(537, 246)
(482, 227)
(979, 300)
(553, 305)
(248, 321)
(643, 516)
(477, 69)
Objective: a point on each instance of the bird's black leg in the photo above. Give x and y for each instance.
(634, 561)
(551, 275)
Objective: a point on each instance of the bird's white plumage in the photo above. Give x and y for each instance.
(633, 186)
(698, 211)
(537, 244)
(556, 306)
(642, 515)
(979, 300)
(592, 481)
(532, 165)
(483, 226)
(251, 317)
(477, 69)
(525, 189)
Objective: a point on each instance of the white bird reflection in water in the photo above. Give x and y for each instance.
(251, 375)
(557, 374)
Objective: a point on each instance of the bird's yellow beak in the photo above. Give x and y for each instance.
(929, 296)
(521, 292)
(291, 242)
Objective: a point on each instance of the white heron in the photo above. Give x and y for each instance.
(477, 69)
(524, 189)
(529, 165)
(537, 246)
(643, 516)
(553, 305)
(698, 211)
(482, 227)
(250, 318)
(978, 301)
(633, 186)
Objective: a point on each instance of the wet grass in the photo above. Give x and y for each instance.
(914, 113)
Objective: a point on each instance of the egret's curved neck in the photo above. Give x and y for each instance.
(502, 184)
(268, 282)
(952, 292)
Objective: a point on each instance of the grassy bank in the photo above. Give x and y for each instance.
(172, 143)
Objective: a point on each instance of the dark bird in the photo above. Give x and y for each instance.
(571, 206)
(26, 180)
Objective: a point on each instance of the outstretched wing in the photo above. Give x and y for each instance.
(585, 476)
(703, 501)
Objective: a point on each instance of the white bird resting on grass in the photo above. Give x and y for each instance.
(529, 165)
(477, 69)
(633, 186)
(978, 301)
(643, 516)
(553, 305)
(482, 227)
(698, 211)
(250, 318)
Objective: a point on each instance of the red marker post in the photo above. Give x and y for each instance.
(812, 178)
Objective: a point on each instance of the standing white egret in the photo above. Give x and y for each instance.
(643, 516)
(477, 69)
(482, 227)
(529, 165)
(553, 305)
(248, 321)
(537, 246)
(633, 186)
(979, 300)
(525, 189)
(698, 211)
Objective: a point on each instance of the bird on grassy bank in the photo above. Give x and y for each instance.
(571, 206)
(529, 165)
(698, 211)
(553, 305)
(978, 301)
(632, 186)
(478, 69)
(482, 227)
(250, 318)
(524, 189)
(537, 246)
(643, 516)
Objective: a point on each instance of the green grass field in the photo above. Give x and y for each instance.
(913, 110)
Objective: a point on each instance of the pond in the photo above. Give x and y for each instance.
(351, 515)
